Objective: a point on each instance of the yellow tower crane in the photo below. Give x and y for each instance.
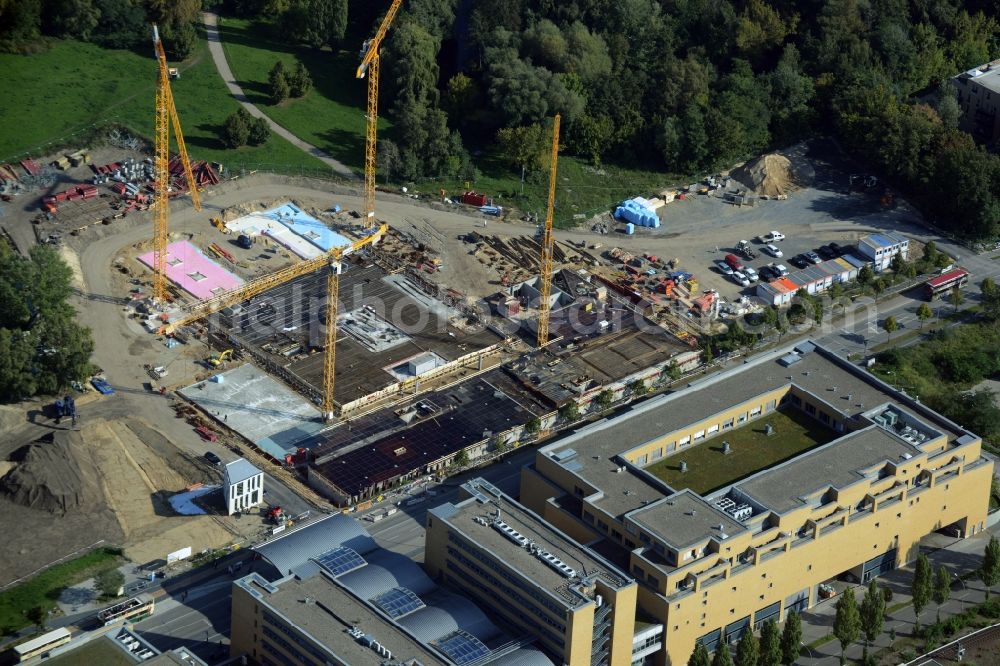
(165, 114)
(548, 242)
(369, 65)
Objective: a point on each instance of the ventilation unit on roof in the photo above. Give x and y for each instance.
(555, 563)
(510, 533)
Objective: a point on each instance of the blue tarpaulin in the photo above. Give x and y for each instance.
(635, 212)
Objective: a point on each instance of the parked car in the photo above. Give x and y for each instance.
(799, 261)
(768, 274)
(750, 273)
(739, 278)
(782, 270)
(723, 268)
(773, 250)
(102, 386)
(734, 262)
(812, 257)
(826, 252)
(212, 458)
(772, 237)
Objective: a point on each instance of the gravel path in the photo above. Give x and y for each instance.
(219, 56)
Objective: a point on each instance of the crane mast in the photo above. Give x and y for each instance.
(166, 113)
(548, 242)
(370, 66)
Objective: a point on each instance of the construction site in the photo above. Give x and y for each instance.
(344, 347)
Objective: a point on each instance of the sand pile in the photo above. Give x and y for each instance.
(769, 175)
(55, 474)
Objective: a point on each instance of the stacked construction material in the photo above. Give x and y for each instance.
(72, 194)
(639, 212)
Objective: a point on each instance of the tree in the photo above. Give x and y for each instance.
(722, 656)
(316, 23)
(42, 348)
(260, 132)
(674, 371)
(236, 130)
(956, 297)
(533, 425)
(299, 81)
(866, 275)
(890, 326)
(872, 612)
(387, 157)
(748, 650)
(770, 644)
(638, 388)
(70, 18)
(791, 639)
(277, 82)
(924, 313)
(879, 286)
(942, 588)
(700, 656)
(179, 39)
(121, 24)
(36, 615)
(570, 411)
(461, 459)
(922, 585)
(109, 582)
(989, 570)
(605, 399)
(847, 623)
(524, 147)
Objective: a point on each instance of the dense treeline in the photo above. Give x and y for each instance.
(694, 85)
(685, 85)
(42, 348)
(120, 24)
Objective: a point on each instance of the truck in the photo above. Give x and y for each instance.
(734, 262)
(245, 241)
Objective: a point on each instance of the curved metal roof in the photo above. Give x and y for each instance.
(292, 549)
(526, 656)
(386, 571)
(468, 616)
(430, 623)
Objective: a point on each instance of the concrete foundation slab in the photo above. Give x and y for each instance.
(307, 227)
(260, 408)
(259, 224)
(194, 272)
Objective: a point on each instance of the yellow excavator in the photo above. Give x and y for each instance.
(216, 361)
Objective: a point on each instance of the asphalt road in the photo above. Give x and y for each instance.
(197, 618)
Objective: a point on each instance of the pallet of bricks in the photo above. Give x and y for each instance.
(50, 203)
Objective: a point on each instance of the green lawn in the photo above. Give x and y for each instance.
(44, 589)
(67, 89)
(100, 651)
(332, 117)
(752, 451)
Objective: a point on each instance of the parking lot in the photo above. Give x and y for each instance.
(703, 229)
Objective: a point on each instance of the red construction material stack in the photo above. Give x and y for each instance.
(7, 173)
(87, 191)
(30, 166)
(118, 188)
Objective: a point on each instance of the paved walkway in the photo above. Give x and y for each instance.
(219, 56)
(959, 557)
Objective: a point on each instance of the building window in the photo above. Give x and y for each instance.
(810, 409)
(642, 460)
(771, 405)
(657, 453)
(699, 435)
(741, 418)
(755, 412)
(685, 440)
(728, 424)
(637, 570)
(589, 517)
(824, 417)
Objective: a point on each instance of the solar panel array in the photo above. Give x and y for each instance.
(463, 647)
(340, 560)
(398, 602)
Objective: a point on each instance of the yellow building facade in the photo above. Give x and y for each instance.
(712, 566)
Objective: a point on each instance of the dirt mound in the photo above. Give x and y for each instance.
(55, 476)
(769, 175)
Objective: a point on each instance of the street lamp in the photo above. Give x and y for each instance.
(965, 589)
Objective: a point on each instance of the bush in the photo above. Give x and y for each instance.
(886, 595)
(277, 82)
(260, 132)
(299, 83)
(236, 131)
(109, 582)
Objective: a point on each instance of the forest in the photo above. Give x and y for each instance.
(686, 86)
